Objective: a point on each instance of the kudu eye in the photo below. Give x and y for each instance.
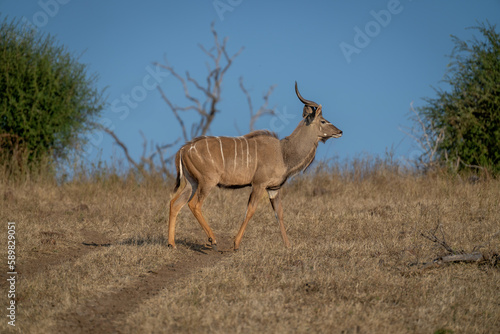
(323, 121)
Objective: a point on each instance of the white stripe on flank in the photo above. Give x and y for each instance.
(235, 153)
(239, 140)
(210, 154)
(248, 151)
(193, 146)
(180, 165)
(221, 153)
(256, 155)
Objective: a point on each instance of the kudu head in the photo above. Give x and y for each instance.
(314, 120)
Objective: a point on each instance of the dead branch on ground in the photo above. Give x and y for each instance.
(455, 256)
(431, 235)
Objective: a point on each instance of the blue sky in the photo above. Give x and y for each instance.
(364, 61)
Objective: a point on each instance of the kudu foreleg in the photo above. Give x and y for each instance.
(275, 198)
(252, 206)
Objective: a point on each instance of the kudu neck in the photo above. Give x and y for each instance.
(299, 148)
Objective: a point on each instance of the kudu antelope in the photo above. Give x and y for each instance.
(258, 159)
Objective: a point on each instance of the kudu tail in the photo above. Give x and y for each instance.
(178, 167)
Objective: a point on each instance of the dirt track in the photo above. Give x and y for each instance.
(105, 313)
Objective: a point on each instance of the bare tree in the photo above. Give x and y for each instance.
(263, 110)
(146, 163)
(206, 106)
(426, 136)
(203, 100)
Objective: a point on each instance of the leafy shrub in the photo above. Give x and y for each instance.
(466, 119)
(47, 99)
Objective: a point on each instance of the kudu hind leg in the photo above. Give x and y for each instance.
(275, 198)
(181, 197)
(195, 205)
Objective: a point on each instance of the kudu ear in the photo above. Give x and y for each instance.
(311, 111)
(308, 111)
(319, 111)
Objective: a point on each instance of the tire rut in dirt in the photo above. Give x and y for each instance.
(92, 241)
(104, 314)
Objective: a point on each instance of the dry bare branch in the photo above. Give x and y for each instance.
(454, 256)
(206, 105)
(164, 168)
(122, 145)
(263, 110)
(146, 163)
(427, 137)
(176, 114)
(202, 99)
(431, 235)
(472, 257)
(478, 247)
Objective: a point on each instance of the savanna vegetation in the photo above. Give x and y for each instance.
(93, 256)
(460, 128)
(376, 247)
(48, 100)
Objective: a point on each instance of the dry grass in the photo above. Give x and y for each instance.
(349, 270)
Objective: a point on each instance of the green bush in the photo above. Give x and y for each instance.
(47, 99)
(468, 115)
